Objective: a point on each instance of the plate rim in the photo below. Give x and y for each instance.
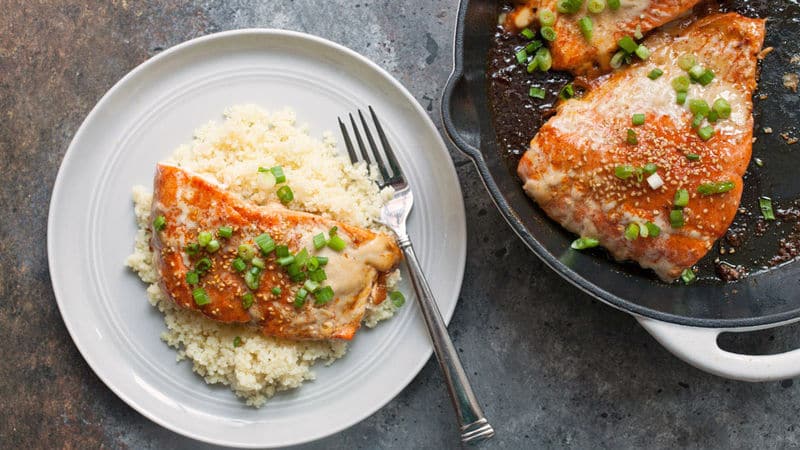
(70, 155)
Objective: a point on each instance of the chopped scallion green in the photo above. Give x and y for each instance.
(337, 243)
(247, 300)
(681, 199)
(586, 26)
(596, 6)
(617, 59)
(765, 204)
(192, 277)
(655, 74)
(322, 260)
(567, 92)
(631, 137)
(676, 218)
(225, 232)
(705, 132)
(680, 97)
(638, 119)
(613, 4)
(546, 17)
(238, 265)
(642, 52)
(650, 168)
(317, 275)
(258, 262)
(722, 107)
(693, 157)
(706, 78)
(160, 223)
(200, 297)
(265, 243)
(202, 266)
(213, 246)
(548, 33)
(533, 46)
(536, 92)
(285, 261)
(276, 290)
(323, 295)
(246, 252)
(698, 120)
(203, 238)
(192, 248)
(715, 188)
(699, 106)
(282, 251)
(628, 44)
(688, 276)
(653, 230)
(528, 33)
(569, 6)
(285, 194)
(522, 56)
(300, 298)
(277, 172)
(397, 298)
(583, 243)
(237, 341)
(632, 231)
(681, 83)
(624, 171)
(252, 280)
(686, 61)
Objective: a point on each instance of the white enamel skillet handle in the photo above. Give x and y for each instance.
(698, 346)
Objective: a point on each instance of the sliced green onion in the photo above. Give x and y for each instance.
(317, 275)
(200, 297)
(533, 46)
(258, 262)
(698, 120)
(547, 18)
(536, 92)
(765, 203)
(706, 78)
(213, 246)
(715, 188)
(397, 298)
(631, 137)
(246, 252)
(686, 61)
(238, 265)
(282, 251)
(528, 33)
(637, 33)
(680, 97)
(617, 59)
(624, 171)
(569, 6)
(322, 260)
(699, 106)
(628, 44)
(693, 157)
(681, 83)
(301, 257)
(276, 290)
(650, 168)
(759, 162)
(706, 132)
(681, 199)
(586, 26)
(613, 4)
(312, 264)
(676, 218)
(712, 116)
(285, 261)
(653, 230)
(277, 172)
(655, 74)
(192, 248)
(596, 6)
(300, 298)
(696, 71)
(543, 59)
(202, 266)
(247, 300)
(632, 231)
(296, 273)
(637, 119)
(567, 92)
(225, 232)
(285, 194)
(688, 276)
(160, 223)
(237, 341)
(583, 243)
(336, 243)
(265, 243)
(642, 52)
(722, 107)
(192, 277)
(203, 238)
(548, 33)
(643, 231)
(251, 279)
(323, 295)
(522, 56)
(311, 285)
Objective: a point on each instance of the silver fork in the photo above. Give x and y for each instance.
(474, 426)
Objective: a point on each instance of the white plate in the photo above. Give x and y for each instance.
(139, 122)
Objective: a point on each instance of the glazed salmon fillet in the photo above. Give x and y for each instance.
(582, 170)
(573, 52)
(267, 298)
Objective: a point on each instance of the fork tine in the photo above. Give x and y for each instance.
(350, 150)
(360, 142)
(375, 154)
(387, 149)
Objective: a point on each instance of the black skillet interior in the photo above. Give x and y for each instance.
(765, 296)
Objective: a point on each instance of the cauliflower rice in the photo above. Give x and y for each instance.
(323, 183)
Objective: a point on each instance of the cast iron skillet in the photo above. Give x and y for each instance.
(766, 297)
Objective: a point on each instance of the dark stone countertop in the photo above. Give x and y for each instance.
(552, 367)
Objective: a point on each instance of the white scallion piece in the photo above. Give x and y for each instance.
(655, 181)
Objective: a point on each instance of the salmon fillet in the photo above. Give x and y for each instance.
(190, 204)
(571, 166)
(571, 51)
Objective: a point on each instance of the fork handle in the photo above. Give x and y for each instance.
(474, 426)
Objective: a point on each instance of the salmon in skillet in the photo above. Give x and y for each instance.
(572, 168)
(573, 52)
(190, 204)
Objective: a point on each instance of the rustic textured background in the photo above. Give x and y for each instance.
(553, 367)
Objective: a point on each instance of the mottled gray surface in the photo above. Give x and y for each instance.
(553, 368)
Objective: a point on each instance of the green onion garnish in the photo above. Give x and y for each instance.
(688, 276)
(546, 17)
(624, 171)
(696, 71)
(613, 4)
(312, 264)
(528, 33)
(285, 194)
(336, 243)
(586, 26)
(323, 295)
(712, 116)
(681, 199)
(686, 61)
(522, 56)
(715, 188)
(160, 223)
(567, 92)
(680, 97)
(655, 73)
(251, 279)
(650, 168)
(397, 298)
(300, 298)
(681, 83)
(200, 297)
(282, 251)
(213, 246)
(699, 106)
(322, 260)
(631, 137)
(569, 6)
(301, 257)
(258, 262)
(693, 157)
(192, 248)
(238, 265)
(192, 277)
(285, 261)
(542, 61)
(311, 285)
(276, 290)
(676, 218)
(628, 44)
(203, 238)
(698, 120)
(237, 341)
(246, 252)
(277, 172)
(632, 231)
(596, 6)
(265, 243)
(722, 107)
(765, 203)
(583, 243)
(317, 275)
(225, 232)
(532, 47)
(643, 231)
(202, 265)
(617, 59)
(247, 300)
(548, 33)
(653, 230)
(705, 132)
(536, 92)
(706, 77)
(642, 52)
(638, 119)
